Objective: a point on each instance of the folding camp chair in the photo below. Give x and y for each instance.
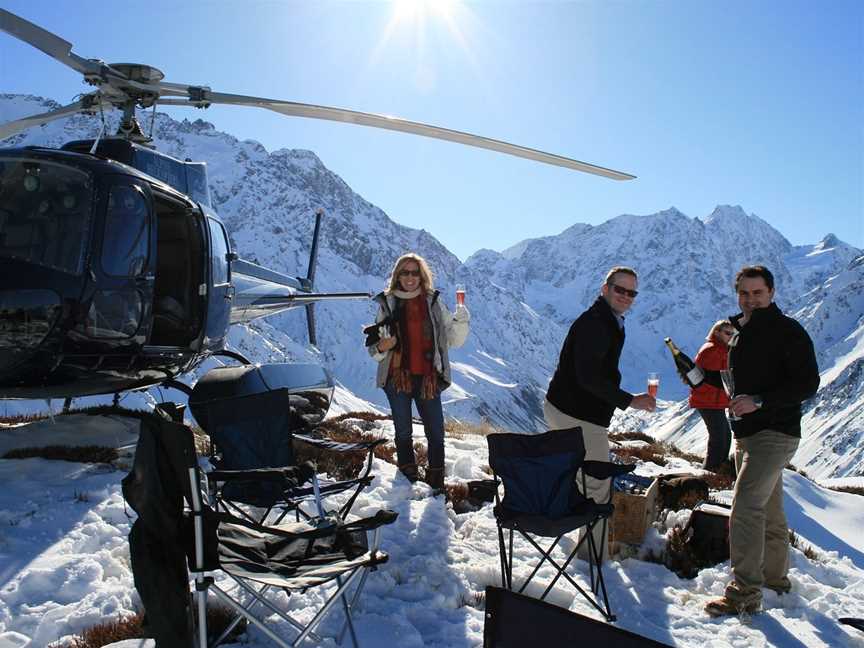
(257, 558)
(542, 498)
(252, 431)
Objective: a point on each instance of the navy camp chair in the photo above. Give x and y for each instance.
(542, 498)
(258, 432)
(262, 563)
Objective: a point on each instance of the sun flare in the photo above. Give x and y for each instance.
(418, 10)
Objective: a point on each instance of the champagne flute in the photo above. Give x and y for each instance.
(653, 384)
(460, 294)
(729, 386)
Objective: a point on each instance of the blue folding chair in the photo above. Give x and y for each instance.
(542, 498)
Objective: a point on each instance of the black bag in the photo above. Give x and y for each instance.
(373, 331)
(709, 524)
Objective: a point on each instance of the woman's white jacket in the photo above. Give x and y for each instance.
(449, 332)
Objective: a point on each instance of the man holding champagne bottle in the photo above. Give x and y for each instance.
(586, 386)
(773, 364)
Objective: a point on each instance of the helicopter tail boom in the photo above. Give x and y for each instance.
(260, 292)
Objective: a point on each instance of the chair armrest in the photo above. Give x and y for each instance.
(291, 476)
(606, 469)
(380, 518)
(339, 446)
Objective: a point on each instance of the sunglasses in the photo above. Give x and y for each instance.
(625, 291)
(409, 273)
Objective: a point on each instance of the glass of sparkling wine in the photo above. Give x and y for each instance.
(460, 294)
(653, 384)
(729, 387)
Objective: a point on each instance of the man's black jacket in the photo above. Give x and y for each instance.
(772, 356)
(586, 384)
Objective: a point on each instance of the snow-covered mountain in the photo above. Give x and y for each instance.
(523, 299)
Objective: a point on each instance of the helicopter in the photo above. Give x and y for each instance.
(116, 273)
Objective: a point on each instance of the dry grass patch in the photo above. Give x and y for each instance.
(461, 429)
(803, 547)
(133, 627)
(629, 454)
(342, 465)
(655, 451)
(363, 416)
(632, 436)
(720, 480)
(108, 632)
(855, 490)
(79, 454)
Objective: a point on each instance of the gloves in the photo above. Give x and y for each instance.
(461, 314)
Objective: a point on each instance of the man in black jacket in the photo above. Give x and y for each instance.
(586, 387)
(773, 369)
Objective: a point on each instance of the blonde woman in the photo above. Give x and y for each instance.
(413, 359)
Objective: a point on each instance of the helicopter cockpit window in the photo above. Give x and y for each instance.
(45, 212)
(126, 242)
(114, 314)
(218, 260)
(196, 181)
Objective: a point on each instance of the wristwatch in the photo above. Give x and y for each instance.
(757, 401)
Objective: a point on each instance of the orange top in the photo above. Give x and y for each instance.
(715, 356)
(419, 334)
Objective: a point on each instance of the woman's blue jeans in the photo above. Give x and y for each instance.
(431, 415)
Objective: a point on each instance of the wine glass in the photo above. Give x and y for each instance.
(460, 294)
(729, 386)
(653, 384)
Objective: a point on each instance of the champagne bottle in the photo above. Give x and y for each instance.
(686, 367)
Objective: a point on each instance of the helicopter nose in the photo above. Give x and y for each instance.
(26, 318)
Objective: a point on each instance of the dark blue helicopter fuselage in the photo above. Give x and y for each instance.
(110, 279)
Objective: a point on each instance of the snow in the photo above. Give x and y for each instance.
(64, 563)
(63, 556)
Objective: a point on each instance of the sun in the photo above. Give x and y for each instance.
(419, 10)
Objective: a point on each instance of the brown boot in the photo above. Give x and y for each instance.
(435, 478)
(410, 472)
(724, 606)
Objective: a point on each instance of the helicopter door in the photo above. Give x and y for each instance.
(119, 308)
(220, 290)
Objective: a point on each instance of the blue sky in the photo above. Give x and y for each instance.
(753, 103)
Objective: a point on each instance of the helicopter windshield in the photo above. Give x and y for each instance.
(45, 211)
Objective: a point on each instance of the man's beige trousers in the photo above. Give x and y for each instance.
(758, 534)
(596, 449)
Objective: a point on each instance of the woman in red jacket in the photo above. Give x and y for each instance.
(710, 401)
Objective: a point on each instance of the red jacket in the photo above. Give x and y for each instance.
(713, 355)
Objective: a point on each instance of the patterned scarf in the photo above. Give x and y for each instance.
(400, 372)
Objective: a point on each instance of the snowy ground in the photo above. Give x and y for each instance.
(64, 565)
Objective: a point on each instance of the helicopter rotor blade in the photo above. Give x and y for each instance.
(203, 97)
(11, 128)
(52, 45)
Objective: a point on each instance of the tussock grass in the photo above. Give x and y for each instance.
(79, 454)
(655, 452)
(721, 480)
(855, 490)
(803, 547)
(461, 429)
(132, 627)
(652, 453)
(363, 416)
(108, 632)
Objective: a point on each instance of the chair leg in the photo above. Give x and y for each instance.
(239, 609)
(259, 598)
(347, 608)
(595, 559)
(547, 555)
(502, 558)
(326, 607)
(201, 600)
